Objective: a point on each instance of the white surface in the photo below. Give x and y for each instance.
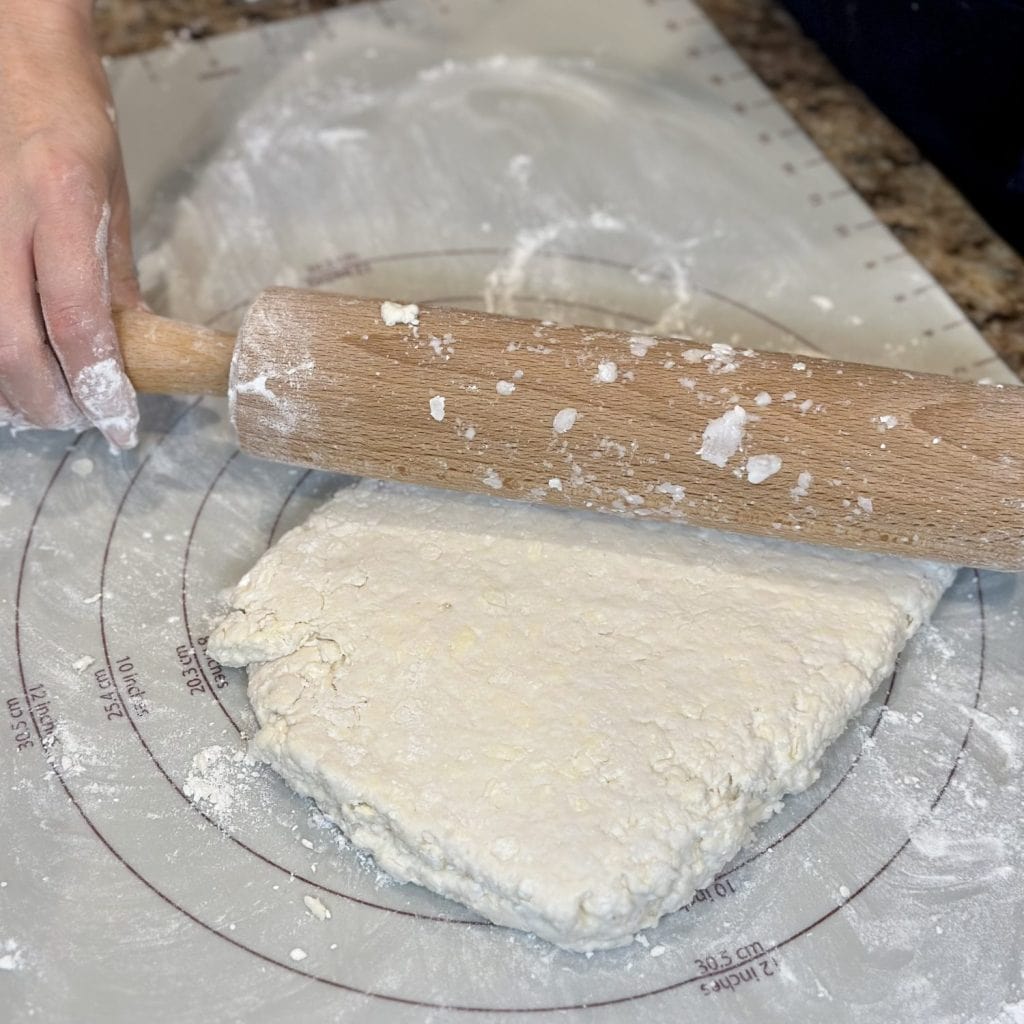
(182, 913)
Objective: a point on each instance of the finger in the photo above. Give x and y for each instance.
(124, 282)
(32, 387)
(70, 250)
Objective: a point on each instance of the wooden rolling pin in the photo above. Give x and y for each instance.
(808, 449)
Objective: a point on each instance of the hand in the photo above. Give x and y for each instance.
(64, 227)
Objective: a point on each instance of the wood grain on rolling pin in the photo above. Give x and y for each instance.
(905, 463)
(872, 458)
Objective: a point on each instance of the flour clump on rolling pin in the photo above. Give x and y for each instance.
(395, 313)
(761, 467)
(723, 437)
(564, 421)
(511, 726)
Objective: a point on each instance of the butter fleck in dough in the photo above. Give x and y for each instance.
(567, 722)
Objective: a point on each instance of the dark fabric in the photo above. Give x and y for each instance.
(950, 74)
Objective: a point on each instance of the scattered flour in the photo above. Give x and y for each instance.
(395, 313)
(675, 491)
(602, 220)
(107, 397)
(760, 467)
(218, 777)
(69, 754)
(11, 957)
(504, 387)
(520, 168)
(101, 240)
(641, 344)
(506, 280)
(564, 421)
(256, 386)
(803, 486)
(341, 135)
(437, 407)
(443, 346)
(721, 358)
(607, 373)
(723, 437)
(316, 907)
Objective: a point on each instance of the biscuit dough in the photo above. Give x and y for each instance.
(567, 722)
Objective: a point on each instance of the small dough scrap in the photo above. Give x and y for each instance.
(568, 722)
(395, 313)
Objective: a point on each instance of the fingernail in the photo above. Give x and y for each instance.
(122, 437)
(107, 397)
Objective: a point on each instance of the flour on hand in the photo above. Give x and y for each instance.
(567, 722)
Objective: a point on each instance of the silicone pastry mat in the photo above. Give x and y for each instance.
(609, 164)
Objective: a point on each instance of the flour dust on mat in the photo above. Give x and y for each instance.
(565, 721)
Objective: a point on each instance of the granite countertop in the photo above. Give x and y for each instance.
(983, 274)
